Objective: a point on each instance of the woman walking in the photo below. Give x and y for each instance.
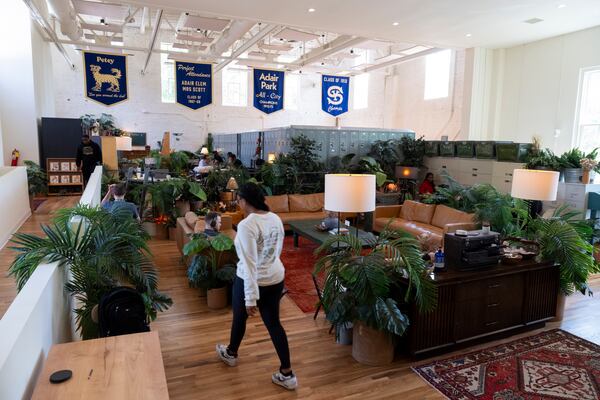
(259, 282)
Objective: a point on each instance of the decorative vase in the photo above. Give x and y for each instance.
(370, 346)
(585, 177)
(217, 298)
(573, 175)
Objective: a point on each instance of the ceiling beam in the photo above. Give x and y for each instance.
(45, 26)
(401, 60)
(143, 20)
(155, 30)
(247, 45)
(335, 46)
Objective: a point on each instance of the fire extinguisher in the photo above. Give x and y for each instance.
(15, 158)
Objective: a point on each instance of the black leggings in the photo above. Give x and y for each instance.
(268, 305)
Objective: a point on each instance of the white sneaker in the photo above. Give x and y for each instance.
(224, 355)
(288, 382)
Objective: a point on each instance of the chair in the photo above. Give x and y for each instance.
(594, 205)
(319, 281)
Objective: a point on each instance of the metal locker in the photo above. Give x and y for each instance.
(344, 143)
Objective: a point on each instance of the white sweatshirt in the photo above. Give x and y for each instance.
(258, 243)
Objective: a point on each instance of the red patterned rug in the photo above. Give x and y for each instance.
(551, 365)
(299, 263)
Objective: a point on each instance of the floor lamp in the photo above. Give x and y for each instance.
(352, 193)
(534, 185)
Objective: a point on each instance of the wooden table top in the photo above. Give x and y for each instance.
(120, 367)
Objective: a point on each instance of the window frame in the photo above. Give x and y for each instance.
(355, 88)
(223, 82)
(577, 126)
(452, 55)
(167, 46)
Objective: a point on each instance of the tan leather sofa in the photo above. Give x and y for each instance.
(295, 207)
(192, 223)
(419, 219)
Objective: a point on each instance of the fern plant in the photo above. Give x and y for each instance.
(374, 287)
(105, 250)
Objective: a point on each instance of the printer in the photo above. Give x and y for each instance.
(470, 250)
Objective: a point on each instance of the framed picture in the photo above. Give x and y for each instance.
(65, 166)
(73, 166)
(76, 179)
(54, 166)
(65, 179)
(54, 178)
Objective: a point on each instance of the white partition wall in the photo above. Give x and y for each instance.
(14, 201)
(40, 316)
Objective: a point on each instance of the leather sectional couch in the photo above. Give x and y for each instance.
(428, 221)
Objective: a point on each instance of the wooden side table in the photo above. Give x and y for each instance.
(120, 367)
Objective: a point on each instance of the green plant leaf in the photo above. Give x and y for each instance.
(389, 317)
(196, 190)
(196, 246)
(221, 243)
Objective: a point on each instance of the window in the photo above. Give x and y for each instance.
(291, 91)
(588, 126)
(167, 76)
(437, 75)
(235, 87)
(361, 91)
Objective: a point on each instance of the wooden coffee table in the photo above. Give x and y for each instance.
(307, 229)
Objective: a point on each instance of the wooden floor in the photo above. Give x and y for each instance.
(40, 216)
(189, 331)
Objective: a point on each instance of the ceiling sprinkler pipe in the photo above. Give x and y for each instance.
(65, 13)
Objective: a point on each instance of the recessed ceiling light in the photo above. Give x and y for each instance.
(468, 35)
(561, 6)
(311, 10)
(396, 23)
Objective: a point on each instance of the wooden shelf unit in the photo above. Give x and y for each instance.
(58, 171)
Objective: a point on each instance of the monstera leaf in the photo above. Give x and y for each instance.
(196, 190)
(221, 243)
(196, 246)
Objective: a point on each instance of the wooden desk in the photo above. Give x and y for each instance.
(120, 367)
(491, 301)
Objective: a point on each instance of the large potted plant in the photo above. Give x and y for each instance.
(210, 268)
(37, 181)
(372, 288)
(102, 252)
(571, 163)
(412, 153)
(543, 159)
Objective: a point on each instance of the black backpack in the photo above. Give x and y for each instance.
(122, 311)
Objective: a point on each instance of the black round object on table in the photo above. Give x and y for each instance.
(61, 376)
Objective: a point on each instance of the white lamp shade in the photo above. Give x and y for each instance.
(204, 151)
(124, 143)
(531, 184)
(350, 192)
(232, 184)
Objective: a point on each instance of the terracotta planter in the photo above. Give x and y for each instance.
(585, 177)
(157, 231)
(217, 298)
(172, 233)
(182, 206)
(560, 307)
(370, 346)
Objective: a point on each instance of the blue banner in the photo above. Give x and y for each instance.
(268, 90)
(105, 77)
(193, 84)
(334, 94)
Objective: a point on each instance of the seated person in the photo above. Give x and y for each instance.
(203, 166)
(427, 187)
(203, 161)
(231, 159)
(118, 193)
(217, 158)
(331, 221)
(212, 223)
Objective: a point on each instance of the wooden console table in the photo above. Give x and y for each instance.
(476, 304)
(119, 367)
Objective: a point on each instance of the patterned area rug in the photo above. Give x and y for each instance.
(299, 263)
(551, 365)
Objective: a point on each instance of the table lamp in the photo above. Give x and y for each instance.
(124, 143)
(204, 151)
(534, 185)
(350, 193)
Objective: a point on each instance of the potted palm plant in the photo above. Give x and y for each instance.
(106, 250)
(37, 180)
(210, 268)
(371, 289)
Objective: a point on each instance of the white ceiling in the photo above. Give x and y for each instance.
(444, 23)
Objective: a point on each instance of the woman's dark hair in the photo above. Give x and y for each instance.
(427, 175)
(253, 195)
(211, 219)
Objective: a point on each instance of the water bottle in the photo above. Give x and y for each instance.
(438, 263)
